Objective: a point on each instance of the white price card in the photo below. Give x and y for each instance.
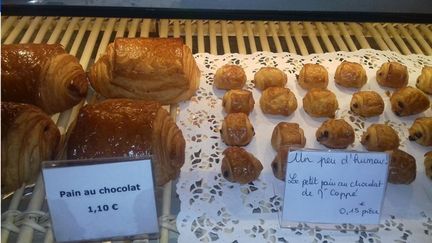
(106, 200)
(334, 187)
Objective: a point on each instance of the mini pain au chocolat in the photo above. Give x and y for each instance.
(287, 134)
(279, 163)
(335, 133)
(421, 131)
(240, 166)
(350, 75)
(28, 137)
(43, 75)
(409, 101)
(278, 101)
(392, 75)
(129, 128)
(428, 164)
(320, 103)
(424, 81)
(229, 77)
(269, 77)
(238, 100)
(402, 167)
(380, 137)
(367, 103)
(237, 130)
(155, 69)
(313, 76)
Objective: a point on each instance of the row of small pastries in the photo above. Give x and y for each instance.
(348, 74)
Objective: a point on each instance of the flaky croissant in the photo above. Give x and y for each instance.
(240, 166)
(428, 164)
(367, 103)
(380, 137)
(424, 81)
(350, 75)
(320, 103)
(237, 130)
(287, 134)
(421, 131)
(335, 133)
(313, 76)
(156, 69)
(402, 167)
(278, 101)
(269, 77)
(229, 77)
(129, 128)
(392, 75)
(28, 137)
(238, 100)
(409, 101)
(42, 75)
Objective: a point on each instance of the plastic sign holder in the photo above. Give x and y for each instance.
(101, 199)
(328, 187)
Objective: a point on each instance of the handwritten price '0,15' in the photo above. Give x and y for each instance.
(103, 208)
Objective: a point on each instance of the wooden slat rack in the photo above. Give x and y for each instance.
(87, 38)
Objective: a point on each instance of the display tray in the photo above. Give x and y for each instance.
(214, 209)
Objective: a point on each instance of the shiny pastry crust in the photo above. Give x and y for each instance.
(421, 131)
(240, 166)
(313, 76)
(237, 130)
(392, 75)
(270, 77)
(279, 163)
(28, 137)
(367, 103)
(320, 103)
(428, 164)
(129, 128)
(278, 101)
(287, 134)
(409, 101)
(380, 137)
(335, 133)
(43, 75)
(155, 69)
(238, 100)
(424, 81)
(402, 167)
(350, 75)
(230, 77)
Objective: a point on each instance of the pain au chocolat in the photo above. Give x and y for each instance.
(392, 75)
(380, 137)
(367, 103)
(229, 76)
(424, 81)
(409, 101)
(129, 128)
(335, 133)
(421, 131)
(350, 75)
(240, 166)
(155, 69)
(270, 77)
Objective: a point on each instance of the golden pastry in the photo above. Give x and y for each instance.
(237, 130)
(287, 134)
(153, 69)
(424, 81)
(402, 167)
(279, 163)
(428, 164)
(367, 104)
(269, 77)
(278, 101)
(350, 75)
(313, 76)
(421, 131)
(240, 166)
(335, 133)
(28, 137)
(380, 137)
(392, 75)
(320, 103)
(238, 100)
(230, 77)
(409, 101)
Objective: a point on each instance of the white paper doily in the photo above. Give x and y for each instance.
(213, 209)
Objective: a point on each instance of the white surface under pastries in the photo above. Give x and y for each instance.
(213, 208)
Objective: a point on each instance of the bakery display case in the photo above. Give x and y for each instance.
(203, 204)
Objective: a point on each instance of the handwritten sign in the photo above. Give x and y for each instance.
(100, 201)
(329, 187)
